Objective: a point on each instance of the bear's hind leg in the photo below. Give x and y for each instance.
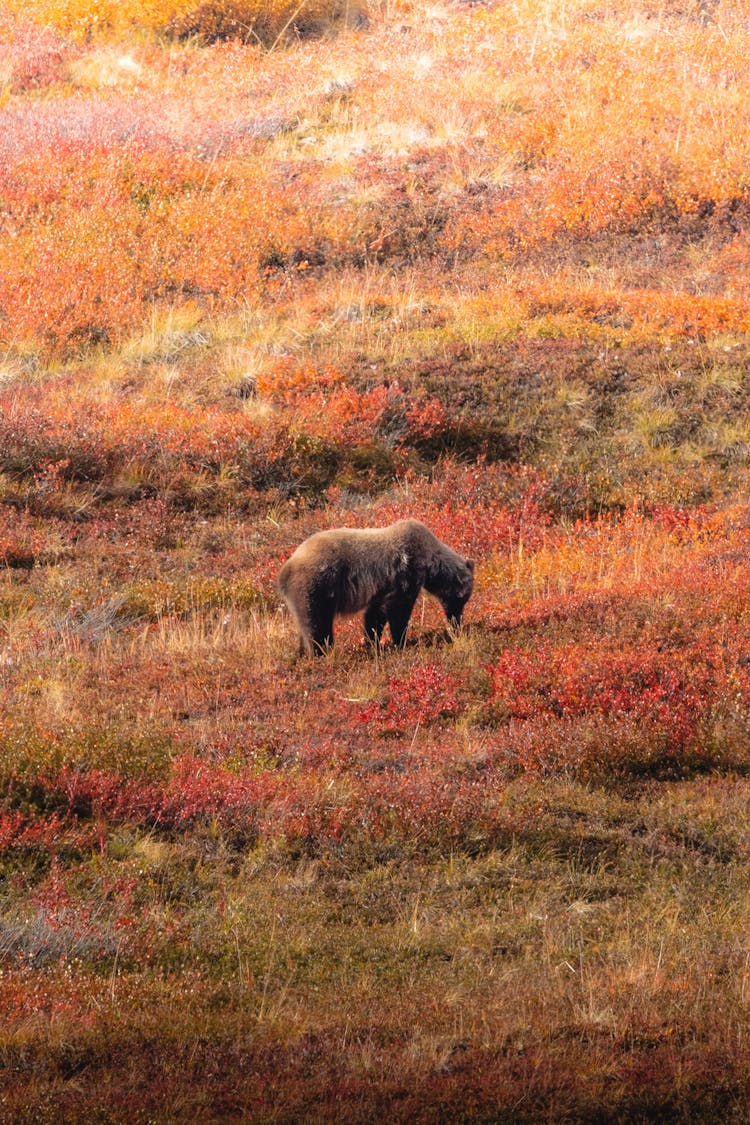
(321, 631)
(375, 619)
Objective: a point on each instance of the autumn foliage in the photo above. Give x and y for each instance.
(269, 268)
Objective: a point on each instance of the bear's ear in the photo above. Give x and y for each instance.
(470, 564)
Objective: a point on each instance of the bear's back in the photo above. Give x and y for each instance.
(343, 540)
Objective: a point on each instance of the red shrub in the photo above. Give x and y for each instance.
(426, 696)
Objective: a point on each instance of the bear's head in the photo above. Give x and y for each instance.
(454, 589)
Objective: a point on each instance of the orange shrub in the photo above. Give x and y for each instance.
(86, 18)
(255, 21)
(99, 235)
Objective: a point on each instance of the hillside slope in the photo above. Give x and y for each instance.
(266, 270)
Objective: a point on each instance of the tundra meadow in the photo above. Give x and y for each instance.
(270, 267)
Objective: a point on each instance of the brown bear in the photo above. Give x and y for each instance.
(378, 570)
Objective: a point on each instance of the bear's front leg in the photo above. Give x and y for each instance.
(399, 612)
(375, 619)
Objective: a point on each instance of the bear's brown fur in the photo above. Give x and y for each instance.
(378, 570)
